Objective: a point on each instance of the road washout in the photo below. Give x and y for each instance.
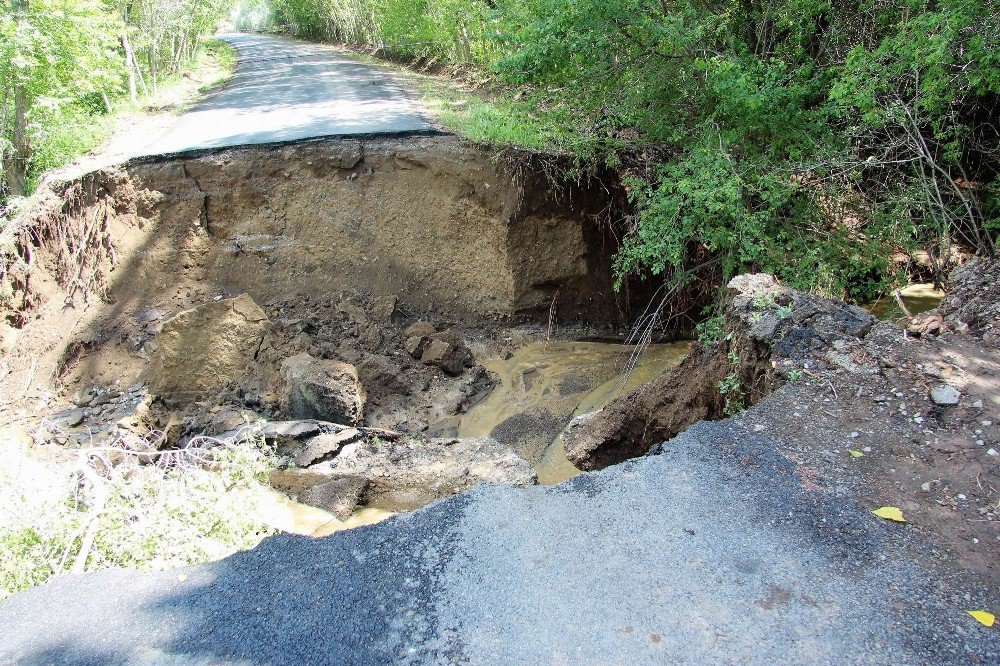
(347, 302)
(747, 538)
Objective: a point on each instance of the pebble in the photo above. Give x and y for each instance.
(74, 418)
(992, 452)
(945, 395)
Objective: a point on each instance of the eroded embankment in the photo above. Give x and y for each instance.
(337, 299)
(444, 226)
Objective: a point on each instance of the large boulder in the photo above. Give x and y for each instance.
(322, 389)
(208, 346)
(404, 474)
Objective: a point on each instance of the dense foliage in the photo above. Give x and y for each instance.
(837, 144)
(63, 62)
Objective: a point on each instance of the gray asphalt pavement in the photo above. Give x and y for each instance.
(711, 552)
(285, 90)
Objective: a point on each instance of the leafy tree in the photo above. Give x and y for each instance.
(65, 61)
(53, 53)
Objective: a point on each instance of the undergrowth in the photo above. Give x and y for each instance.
(60, 515)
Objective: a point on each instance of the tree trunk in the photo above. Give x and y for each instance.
(134, 72)
(128, 66)
(17, 169)
(17, 164)
(152, 66)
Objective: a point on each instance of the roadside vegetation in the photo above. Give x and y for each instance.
(72, 70)
(64, 511)
(846, 147)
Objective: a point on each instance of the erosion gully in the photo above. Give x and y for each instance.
(208, 272)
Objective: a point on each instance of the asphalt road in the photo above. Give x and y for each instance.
(284, 90)
(711, 552)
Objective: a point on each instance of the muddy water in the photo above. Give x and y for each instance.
(917, 297)
(544, 385)
(286, 515)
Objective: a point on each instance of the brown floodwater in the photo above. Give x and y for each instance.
(563, 380)
(279, 512)
(917, 297)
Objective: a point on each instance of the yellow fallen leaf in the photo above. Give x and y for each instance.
(983, 617)
(855, 454)
(890, 513)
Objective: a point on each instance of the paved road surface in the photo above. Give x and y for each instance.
(711, 552)
(284, 90)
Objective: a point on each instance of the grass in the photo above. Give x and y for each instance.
(493, 117)
(72, 511)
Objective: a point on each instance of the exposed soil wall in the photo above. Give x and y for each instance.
(438, 223)
(447, 230)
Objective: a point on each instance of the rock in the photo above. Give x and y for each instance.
(406, 474)
(289, 431)
(174, 428)
(295, 481)
(417, 337)
(437, 353)
(323, 445)
(415, 345)
(421, 329)
(104, 398)
(338, 496)
(230, 419)
(74, 418)
(383, 308)
(945, 396)
(927, 323)
(149, 316)
(764, 328)
(208, 346)
(380, 375)
(321, 389)
(446, 351)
